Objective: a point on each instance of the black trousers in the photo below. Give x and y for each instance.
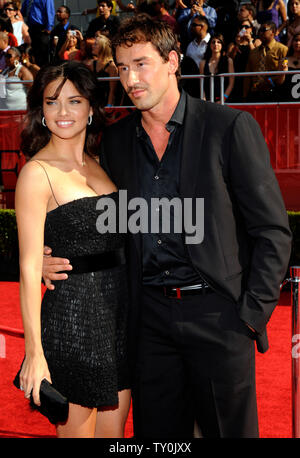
(196, 362)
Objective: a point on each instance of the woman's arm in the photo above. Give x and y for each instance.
(231, 78)
(283, 14)
(32, 195)
(25, 34)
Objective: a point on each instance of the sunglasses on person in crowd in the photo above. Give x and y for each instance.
(9, 9)
(264, 29)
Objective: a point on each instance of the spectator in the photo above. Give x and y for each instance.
(105, 22)
(227, 21)
(16, 94)
(185, 18)
(160, 11)
(4, 47)
(216, 61)
(28, 60)
(264, 58)
(248, 12)
(197, 48)
(6, 26)
(20, 29)
(292, 62)
(293, 26)
(129, 8)
(40, 18)
(70, 50)
(239, 52)
(104, 66)
(272, 10)
(59, 32)
(86, 47)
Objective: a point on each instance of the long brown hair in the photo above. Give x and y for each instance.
(35, 136)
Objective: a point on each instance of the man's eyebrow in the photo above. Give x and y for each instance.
(138, 59)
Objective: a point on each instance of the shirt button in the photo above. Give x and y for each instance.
(156, 177)
(159, 242)
(167, 272)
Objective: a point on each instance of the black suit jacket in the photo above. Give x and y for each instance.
(247, 240)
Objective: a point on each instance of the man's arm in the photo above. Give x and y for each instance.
(51, 267)
(260, 202)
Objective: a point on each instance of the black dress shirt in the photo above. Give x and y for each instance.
(165, 260)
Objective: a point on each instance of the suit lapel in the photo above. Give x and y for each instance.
(194, 125)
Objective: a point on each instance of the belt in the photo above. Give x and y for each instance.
(94, 263)
(201, 288)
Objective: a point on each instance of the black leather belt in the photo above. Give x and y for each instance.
(94, 263)
(200, 288)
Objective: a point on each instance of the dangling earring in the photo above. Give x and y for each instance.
(44, 121)
(90, 120)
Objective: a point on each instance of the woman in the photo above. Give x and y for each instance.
(293, 26)
(20, 29)
(28, 59)
(292, 62)
(239, 53)
(77, 339)
(272, 10)
(104, 66)
(70, 50)
(215, 61)
(16, 94)
(6, 26)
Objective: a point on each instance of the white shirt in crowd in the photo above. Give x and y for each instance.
(197, 50)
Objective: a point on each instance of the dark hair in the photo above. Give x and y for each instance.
(223, 62)
(68, 11)
(201, 18)
(267, 4)
(271, 24)
(108, 2)
(250, 8)
(35, 136)
(291, 49)
(14, 5)
(291, 15)
(6, 25)
(141, 28)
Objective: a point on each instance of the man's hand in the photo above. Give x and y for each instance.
(53, 265)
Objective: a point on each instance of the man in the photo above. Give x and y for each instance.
(185, 18)
(4, 47)
(196, 48)
(59, 32)
(197, 305)
(159, 10)
(39, 15)
(266, 57)
(248, 12)
(105, 22)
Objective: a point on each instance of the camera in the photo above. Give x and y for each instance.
(73, 32)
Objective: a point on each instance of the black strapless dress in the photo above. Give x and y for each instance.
(84, 319)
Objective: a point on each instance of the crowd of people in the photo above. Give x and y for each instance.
(215, 37)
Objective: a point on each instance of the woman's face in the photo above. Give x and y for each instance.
(9, 11)
(296, 43)
(216, 45)
(67, 115)
(72, 40)
(295, 7)
(10, 58)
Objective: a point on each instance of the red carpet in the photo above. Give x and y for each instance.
(273, 376)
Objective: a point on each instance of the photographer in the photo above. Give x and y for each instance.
(70, 50)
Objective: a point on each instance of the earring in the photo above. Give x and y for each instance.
(44, 122)
(90, 120)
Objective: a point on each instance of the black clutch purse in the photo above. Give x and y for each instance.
(54, 405)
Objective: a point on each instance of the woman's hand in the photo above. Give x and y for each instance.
(34, 370)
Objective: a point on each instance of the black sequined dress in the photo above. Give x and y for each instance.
(84, 317)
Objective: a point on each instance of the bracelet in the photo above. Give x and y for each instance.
(226, 96)
(271, 82)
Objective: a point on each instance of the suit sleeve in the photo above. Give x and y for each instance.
(261, 205)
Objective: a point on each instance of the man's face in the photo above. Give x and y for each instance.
(3, 44)
(199, 28)
(144, 75)
(243, 13)
(266, 34)
(104, 9)
(61, 14)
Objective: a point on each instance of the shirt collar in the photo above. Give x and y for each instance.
(177, 117)
(270, 45)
